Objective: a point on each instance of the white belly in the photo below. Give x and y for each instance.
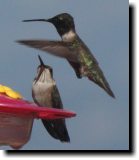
(42, 93)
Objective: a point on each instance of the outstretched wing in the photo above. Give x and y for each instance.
(56, 48)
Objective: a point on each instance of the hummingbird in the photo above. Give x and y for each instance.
(72, 48)
(45, 93)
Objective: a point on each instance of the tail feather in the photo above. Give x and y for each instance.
(108, 90)
(49, 128)
(60, 128)
(57, 129)
(102, 82)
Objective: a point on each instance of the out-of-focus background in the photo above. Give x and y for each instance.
(101, 122)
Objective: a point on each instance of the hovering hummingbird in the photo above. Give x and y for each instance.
(45, 93)
(72, 48)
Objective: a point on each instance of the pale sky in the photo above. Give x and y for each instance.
(101, 122)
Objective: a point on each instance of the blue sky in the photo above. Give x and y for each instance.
(101, 122)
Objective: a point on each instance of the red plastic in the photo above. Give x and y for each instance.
(25, 108)
(15, 131)
(16, 119)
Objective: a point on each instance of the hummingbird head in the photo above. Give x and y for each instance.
(44, 72)
(63, 22)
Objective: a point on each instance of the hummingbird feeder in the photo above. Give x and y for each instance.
(17, 116)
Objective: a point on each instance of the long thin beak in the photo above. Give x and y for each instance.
(41, 62)
(33, 20)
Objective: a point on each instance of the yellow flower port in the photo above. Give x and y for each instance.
(10, 92)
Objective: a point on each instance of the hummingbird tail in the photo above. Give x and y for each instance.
(103, 84)
(49, 128)
(57, 129)
(109, 91)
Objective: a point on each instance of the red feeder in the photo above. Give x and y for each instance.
(16, 119)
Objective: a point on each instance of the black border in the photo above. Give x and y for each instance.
(131, 111)
(131, 76)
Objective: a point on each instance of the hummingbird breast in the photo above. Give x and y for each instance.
(42, 93)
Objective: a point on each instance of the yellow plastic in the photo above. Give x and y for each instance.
(9, 92)
(2, 90)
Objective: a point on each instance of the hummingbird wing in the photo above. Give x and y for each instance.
(57, 128)
(59, 125)
(56, 48)
(47, 124)
(49, 127)
(57, 103)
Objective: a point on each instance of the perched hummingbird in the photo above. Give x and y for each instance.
(45, 93)
(72, 48)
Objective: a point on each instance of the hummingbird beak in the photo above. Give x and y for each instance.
(41, 62)
(42, 66)
(51, 20)
(34, 20)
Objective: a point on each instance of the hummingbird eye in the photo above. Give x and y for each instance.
(61, 18)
